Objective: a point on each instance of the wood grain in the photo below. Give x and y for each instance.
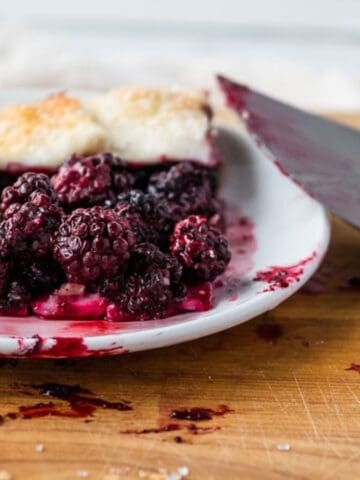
(295, 391)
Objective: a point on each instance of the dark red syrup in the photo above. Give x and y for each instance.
(195, 430)
(12, 362)
(49, 409)
(270, 332)
(81, 403)
(63, 347)
(74, 395)
(170, 427)
(192, 428)
(194, 414)
(68, 347)
(197, 414)
(355, 367)
(353, 282)
(282, 277)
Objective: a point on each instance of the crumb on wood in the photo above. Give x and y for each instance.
(116, 473)
(5, 475)
(82, 473)
(283, 447)
(163, 474)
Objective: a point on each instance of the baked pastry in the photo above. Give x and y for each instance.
(126, 225)
(148, 125)
(43, 134)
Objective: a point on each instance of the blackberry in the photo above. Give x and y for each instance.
(39, 276)
(29, 229)
(4, 274)
(201, 248)
(7, 179)
(143, 173)
(4, 245)
(15, 301)
(24, 279)
(24, 188)
(93, 180)
(178, 177)
(148, 220)
(93, 245)
(152, 283)
(185, 189)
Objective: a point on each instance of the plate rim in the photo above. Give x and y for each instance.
(175, 333)
(179, 331)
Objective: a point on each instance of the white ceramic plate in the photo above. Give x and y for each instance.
(291, 236)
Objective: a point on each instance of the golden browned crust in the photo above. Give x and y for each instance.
(142, 102)
(28, 130)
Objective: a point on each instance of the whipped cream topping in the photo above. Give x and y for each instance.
(45, 133)
(141, 125)
(147, 124)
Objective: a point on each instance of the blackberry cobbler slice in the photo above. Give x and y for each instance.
(126, 223)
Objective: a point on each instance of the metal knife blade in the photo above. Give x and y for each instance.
(321, 155)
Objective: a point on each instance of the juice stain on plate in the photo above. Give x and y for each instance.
(278, 277)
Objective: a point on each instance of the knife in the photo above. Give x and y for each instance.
(321, 155)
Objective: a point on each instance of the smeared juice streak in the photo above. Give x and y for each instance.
(270, 332)
(64, 347)
(240, 232)
(355, 367)
(80, 402)
(194, 414)
(352, 283)
(192, 428)
(199, 413)
(282, 277)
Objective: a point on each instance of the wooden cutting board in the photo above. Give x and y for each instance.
(295, 406)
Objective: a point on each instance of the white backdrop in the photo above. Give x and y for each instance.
(337, 14)
(306, 52)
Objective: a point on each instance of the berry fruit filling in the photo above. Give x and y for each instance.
(104, 239)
